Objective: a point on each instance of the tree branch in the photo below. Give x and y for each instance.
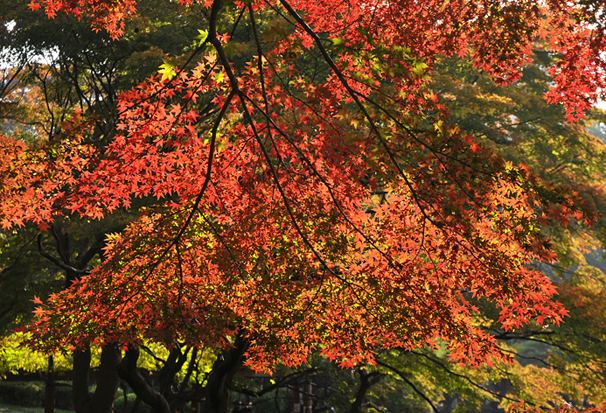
(58, 262)
(411, 384)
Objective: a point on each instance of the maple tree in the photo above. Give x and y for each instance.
(313, 191)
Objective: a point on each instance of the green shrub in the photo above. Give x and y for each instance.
(29, 394)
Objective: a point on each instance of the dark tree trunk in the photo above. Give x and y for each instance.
(218, 395)
(366, 382)
(107, 377)
(167, 373)
(80, 381)
(129, 373)
(102, 401)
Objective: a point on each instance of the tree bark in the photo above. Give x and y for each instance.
(102, 401)
(128, 372)
(218, 395)
(80, 393)
(167, 374)
(366, 382)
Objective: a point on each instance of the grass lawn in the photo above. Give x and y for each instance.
(9, 408)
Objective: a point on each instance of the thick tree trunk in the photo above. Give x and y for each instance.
(167, 374)
(80, 393)
(128, 372)
(218, 395)
(102, 401)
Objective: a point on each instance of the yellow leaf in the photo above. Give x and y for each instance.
(167, 70)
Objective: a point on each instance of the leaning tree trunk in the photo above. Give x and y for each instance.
(129, 373)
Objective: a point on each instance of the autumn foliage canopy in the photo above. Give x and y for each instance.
(332, 208)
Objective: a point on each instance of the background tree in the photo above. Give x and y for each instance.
(517, 122)
(365, 135)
